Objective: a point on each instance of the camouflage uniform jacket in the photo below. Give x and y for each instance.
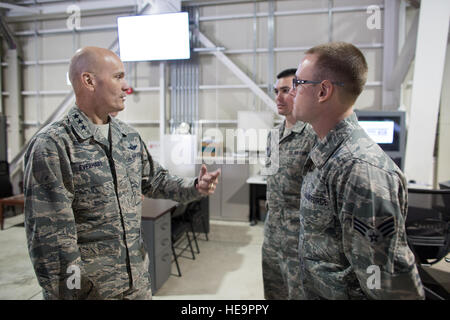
(352, 221)
(83, 206)
(287, 154)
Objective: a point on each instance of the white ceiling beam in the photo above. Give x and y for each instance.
(61, 8)
(19, 9)
(239, 73)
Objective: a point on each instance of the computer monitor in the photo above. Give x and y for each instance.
(387, 128)
(154, 37)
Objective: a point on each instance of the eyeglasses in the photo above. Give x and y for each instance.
(296, 82)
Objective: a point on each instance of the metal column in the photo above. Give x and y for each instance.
(271, 45)
(15, 113)
(391, 97)
(429, 66)
(162, 100)
(1, 78)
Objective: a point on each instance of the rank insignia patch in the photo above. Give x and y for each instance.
(377, 234)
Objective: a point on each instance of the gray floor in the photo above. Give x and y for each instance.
(227, 268)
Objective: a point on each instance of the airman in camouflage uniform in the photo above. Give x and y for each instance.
(280, 263)
(354, 198)
(83, 192)
(352, 217)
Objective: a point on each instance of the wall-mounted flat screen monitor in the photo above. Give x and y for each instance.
(380, 131)
(154, 37)
(387, 128)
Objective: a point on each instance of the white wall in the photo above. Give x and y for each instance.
(443, 154)
(303, 30)
(441, 170)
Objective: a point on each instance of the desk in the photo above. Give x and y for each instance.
(156, 235)
(17, 200)
(258, 189)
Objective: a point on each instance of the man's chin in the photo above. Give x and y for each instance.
(282, 111)
(301, 118)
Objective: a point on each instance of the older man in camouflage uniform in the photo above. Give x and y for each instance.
(280, 264)
(354, 198)
(84, 177)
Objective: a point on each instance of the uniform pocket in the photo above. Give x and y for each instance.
(94, 198)
(104, 247)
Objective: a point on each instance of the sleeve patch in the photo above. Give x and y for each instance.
(377, 234)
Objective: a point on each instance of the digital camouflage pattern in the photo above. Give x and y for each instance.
(83, 207)
(352, 217)
(280, 264)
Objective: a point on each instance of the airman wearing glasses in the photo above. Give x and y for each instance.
(353, 205)
(280, 263)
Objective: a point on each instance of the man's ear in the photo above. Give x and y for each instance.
(88, 81)
(326, 90)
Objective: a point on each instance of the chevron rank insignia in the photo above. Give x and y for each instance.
(132, 146)
(377, 234)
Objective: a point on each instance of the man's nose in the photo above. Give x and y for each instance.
(125, 85)
(292, 91)
(278, 97)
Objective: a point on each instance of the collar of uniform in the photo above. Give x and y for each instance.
(298, 127)
(117, 129)
(118, 126)
(85, 128)
(326, 147)
(80, 123)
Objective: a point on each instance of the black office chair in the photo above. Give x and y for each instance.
(5, 182)
(428, 232)
(444, 184)
(195, 216)
(180, 228)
